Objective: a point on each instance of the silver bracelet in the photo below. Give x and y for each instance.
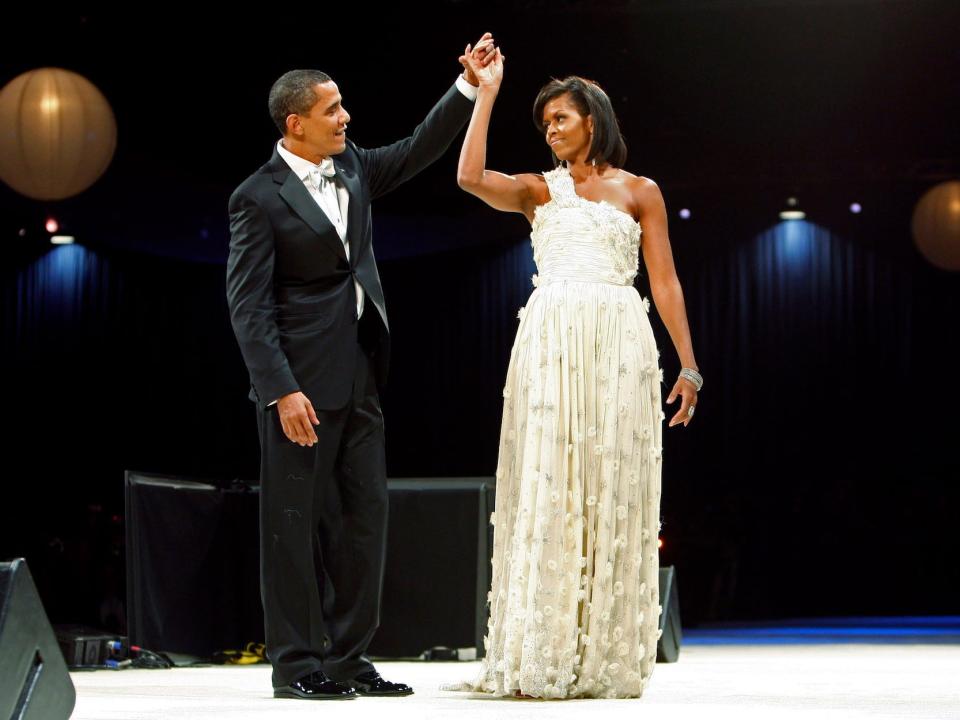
(693, 376)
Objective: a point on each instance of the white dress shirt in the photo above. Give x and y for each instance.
(331, 196)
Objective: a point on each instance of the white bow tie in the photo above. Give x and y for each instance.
(325, 170)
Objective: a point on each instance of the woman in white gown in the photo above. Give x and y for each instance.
(574, 599)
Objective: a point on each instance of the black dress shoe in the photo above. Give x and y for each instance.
(315, 686)
(370, 683)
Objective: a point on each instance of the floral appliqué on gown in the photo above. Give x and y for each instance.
(574, 598)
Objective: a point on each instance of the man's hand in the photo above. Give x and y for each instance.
(483, 52)
(298, 418)
(485, 63)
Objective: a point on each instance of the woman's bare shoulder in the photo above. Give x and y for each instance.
(644, 189)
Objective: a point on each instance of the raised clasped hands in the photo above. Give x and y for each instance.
(483, 63)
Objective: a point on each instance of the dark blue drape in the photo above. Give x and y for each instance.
(819, 475)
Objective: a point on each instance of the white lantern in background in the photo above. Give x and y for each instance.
(936, 225)
(57, 134)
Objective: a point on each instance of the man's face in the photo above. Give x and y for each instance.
(323, 127)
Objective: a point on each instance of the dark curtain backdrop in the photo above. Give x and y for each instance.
(820, 475)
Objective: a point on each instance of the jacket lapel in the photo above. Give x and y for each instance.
(348, 178)
(295, 195)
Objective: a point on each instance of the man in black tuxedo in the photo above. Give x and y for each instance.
(308, 311)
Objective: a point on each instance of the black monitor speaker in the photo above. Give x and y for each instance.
(34, 682)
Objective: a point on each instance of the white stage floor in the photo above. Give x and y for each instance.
(712, 680)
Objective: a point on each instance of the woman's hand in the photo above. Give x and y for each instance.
(484, 62)
(486, 47)
(688, 393)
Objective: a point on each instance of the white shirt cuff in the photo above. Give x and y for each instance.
(468, 90)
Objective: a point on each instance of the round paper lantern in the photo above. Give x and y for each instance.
(936, 225)
(57, 134)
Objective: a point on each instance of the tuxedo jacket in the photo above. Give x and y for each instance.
(290, 284)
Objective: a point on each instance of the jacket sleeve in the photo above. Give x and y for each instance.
(389, 166)
(251, 300)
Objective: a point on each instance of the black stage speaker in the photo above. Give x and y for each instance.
(34, 682)
(668, 647)
(437, 575)
(192, 560)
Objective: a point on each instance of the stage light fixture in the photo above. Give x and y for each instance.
(792, 211)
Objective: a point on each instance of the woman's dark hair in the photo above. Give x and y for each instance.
(589, 99)
(293, 93)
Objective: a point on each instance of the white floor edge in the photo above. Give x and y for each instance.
(842, 681)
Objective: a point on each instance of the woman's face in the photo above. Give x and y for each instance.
(567, 132)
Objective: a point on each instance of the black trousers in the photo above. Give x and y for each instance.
(323, 529)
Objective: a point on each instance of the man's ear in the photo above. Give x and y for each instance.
(293, 124)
